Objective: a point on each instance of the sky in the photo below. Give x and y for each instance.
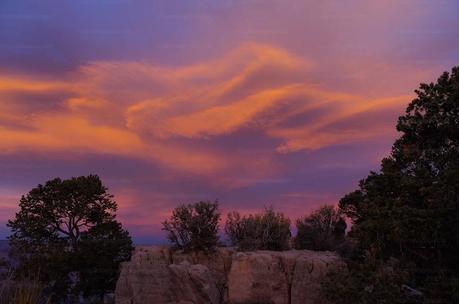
(256, 103)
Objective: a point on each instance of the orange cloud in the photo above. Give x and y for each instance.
(28, 85)
(172, 116)
(317, 135)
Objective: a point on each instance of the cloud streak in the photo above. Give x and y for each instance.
(175, 116)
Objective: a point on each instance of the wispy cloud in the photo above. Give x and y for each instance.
(149, 112)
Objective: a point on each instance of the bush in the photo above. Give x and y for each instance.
(324, 229)
(368, 283)
(267, 231)
(194, 227)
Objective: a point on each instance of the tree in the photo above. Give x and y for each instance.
(324, 229)
(54, 222)
(243, 232)
(194, 227)
(102, 249)
(410, 209)
(269, 230)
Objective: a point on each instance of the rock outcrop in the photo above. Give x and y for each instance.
(159, 276)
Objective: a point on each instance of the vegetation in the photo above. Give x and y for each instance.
(368, 283)
(194, 227)
(55, 230)
(323, 229)
(101, 251)
(409, 211)
(25, 291)
(269, 230)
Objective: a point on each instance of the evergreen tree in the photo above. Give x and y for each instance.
(410, 209)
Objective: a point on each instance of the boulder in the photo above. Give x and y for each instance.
(310, 269)
(257, 277)
(218, 262)
(289, 277)
(146, 278)
(159, 276)
(194, 284)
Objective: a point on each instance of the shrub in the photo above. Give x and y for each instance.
(269, 230)
(324, 229)
(368, 283)
(243, 232)
(194, 227)
(24, 291)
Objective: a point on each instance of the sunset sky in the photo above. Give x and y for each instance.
(284, 103)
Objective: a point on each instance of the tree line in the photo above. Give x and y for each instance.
(195, 227)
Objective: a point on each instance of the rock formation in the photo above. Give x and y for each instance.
(159, 276)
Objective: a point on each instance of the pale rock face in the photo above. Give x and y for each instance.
(194, 283)
(219, 264)
(158, 276)
(257, 277)
(310, 269)
(146, 278)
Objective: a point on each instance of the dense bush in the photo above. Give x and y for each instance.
(194, 227)
(269, 230)
(324, 229)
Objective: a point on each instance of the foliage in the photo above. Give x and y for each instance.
(101, 250)
(367, 283)
(24, 291)
(194, 227)
(243, 232)
(324, 229)
(269, 230)
(410, 209)
(53, 226)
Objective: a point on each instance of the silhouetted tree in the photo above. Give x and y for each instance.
(102, 249)
(269, 230)
(410, 209)
(55, 224)
(323, 229)
(194, 227)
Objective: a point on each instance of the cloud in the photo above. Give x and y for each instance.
(174, 116)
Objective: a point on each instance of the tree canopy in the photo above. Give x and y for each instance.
(410, 209)
(194, 227)
(323, 229)
(56, 223)
(61, 209)
(269, 230)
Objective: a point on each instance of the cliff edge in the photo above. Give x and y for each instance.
(159, 276)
